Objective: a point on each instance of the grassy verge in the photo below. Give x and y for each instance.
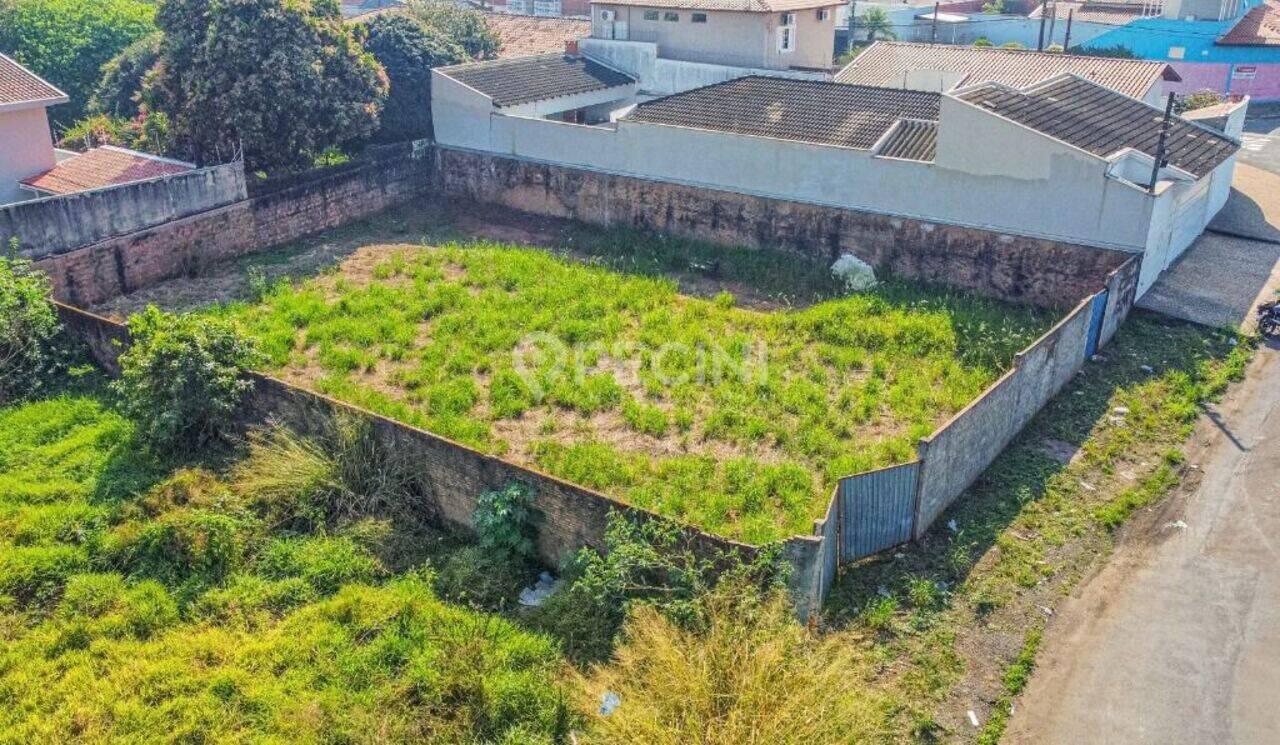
(595, 366)
(945, 622)
(141, 601)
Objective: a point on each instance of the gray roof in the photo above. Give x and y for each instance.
(518, 80)
(912, 139)
(1101, 121)
(823, 113)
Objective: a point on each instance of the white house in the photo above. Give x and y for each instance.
(26, 143)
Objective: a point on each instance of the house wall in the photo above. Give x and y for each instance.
(727, 38)
(53, 225)
(26, 149)
(662, 77)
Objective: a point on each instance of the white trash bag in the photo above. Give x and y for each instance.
(856, 274)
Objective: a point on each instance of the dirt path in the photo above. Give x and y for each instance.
(1177, 638)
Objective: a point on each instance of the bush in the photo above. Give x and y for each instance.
(750, 674)
(196, 548)
(1198, 100)
(506, 521)
(183, 378)
(477, 578)
(29, 330)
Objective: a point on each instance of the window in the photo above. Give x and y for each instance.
(823, 14)
(1177, 52)
(698, 18)
(671, 17)
(651, 15)
(786, 39)
(788, 19)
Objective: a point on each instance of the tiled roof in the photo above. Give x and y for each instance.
(1109, 12)
(885, 63)
(524, 79)
(1101, 121)
(803, 110)
(1259, 27)
(19, 85)
(742, 6)
(912, 139)
(525, 36)
(102, 167)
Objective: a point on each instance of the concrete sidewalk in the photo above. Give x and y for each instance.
(1177, 639)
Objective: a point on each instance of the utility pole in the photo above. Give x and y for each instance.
(1053, 20)
(933, 33)
(1066, 42)
(853, 19)
(1040, 44)
(1164, 132)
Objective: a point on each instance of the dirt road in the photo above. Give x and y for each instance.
(1177, 638)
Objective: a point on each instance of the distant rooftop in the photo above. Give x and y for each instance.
(1103, 122)
(525, 36)
(20, 87)
(885, 63)
(742, 6)
(103, 167)
(1260, 27)
(822, 113)
(1110, 12)
(519, 80)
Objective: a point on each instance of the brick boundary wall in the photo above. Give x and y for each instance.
(455, 475)
(1015, 268)
(277, 213)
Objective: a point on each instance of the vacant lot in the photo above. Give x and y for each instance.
(728, 388)
(144, 603)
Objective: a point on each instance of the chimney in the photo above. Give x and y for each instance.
(571, 47)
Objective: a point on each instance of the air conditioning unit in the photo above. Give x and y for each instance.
(608, 16)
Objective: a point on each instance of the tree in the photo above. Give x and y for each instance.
(119, 89)
(877, 24)
(465, 27)
(285, 79)
(407, 50)
(68, 41)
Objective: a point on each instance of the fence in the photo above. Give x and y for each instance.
(55, 225)
(877, 510)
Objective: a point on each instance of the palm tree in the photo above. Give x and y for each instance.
(876, 22)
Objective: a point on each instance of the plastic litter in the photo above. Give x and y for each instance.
(534, 596)
(1178, 525)
(973, 718)
(1121, 410)
(856, 274)
(609, 703)
(951, 525)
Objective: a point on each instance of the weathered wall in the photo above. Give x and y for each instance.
(27, 151)
(1011, 267)
(282, 211)
(55, 225)
(453, 475)
(1122, 287)
(960, 450)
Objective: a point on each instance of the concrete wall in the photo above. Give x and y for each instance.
(279, 213)
(54, 225)
(959, 451)
(1000, 265)
(26, 149)
(662, 77)
(1034, 187)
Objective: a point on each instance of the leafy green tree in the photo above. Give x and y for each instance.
(68, 41)
(285, 79)
(118, 92)
(465, 27)
(876, 23)
(408, 50)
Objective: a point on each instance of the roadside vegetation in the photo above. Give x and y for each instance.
(735, 415)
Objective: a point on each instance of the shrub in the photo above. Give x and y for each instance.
(183, 378)
(1197, 100)
(506, 521)
(196, 548)
(29, 330)
(322, 562)
(749, 674)
(478, 578)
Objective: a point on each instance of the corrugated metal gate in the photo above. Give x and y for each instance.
(1097, 312)
(877, 510)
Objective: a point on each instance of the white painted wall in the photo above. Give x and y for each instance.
(26, 149)
(662, 77)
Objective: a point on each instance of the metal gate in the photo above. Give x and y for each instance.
(1096, 314)
(877, 510)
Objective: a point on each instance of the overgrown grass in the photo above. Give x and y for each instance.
(735, 418)
(950, 609)
(143, 603)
